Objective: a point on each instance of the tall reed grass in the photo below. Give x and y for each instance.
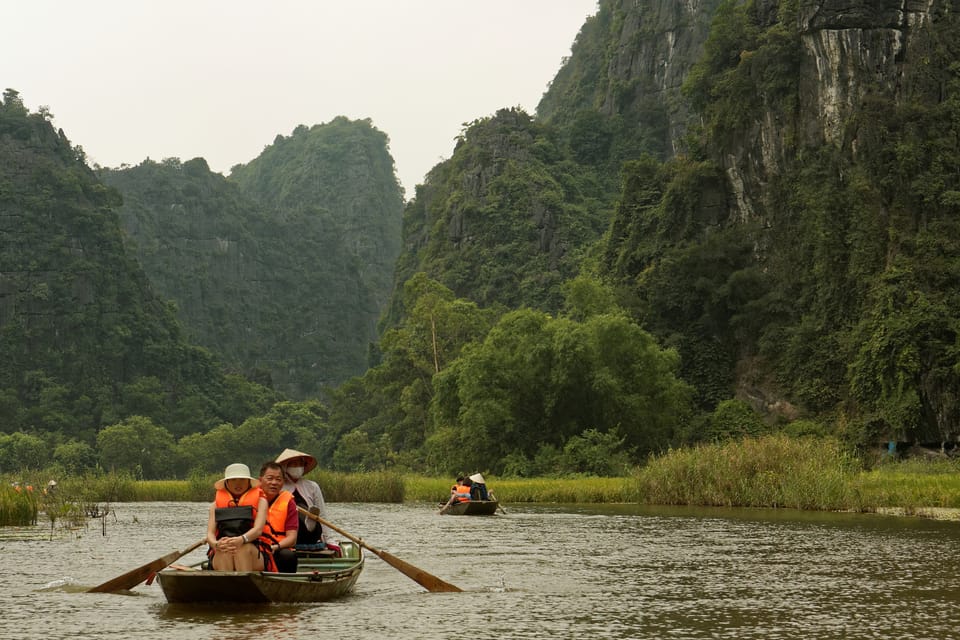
(768, 471)
(376, 486)
(910, 484)
(17, 508)
(337, 487)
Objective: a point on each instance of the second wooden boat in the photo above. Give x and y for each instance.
(472, 508)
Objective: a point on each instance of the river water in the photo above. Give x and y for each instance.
(538, 571)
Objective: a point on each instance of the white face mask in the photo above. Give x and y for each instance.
(295, 472)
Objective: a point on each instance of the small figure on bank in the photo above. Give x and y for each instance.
(307, 494)
(280, 530)
(235, 522)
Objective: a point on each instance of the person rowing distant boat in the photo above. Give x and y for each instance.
(478, 488)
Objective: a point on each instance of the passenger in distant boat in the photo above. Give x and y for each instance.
(280, 530)
(236, 520)
(453, 489)
(461, 491)
(307, 494)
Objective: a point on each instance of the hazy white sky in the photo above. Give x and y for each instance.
(131, 79)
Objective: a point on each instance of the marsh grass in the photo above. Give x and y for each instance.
(378, 486)
(337, 487)
(17, 508)
(910, 484)
(769, 471)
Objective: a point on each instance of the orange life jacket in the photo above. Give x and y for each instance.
(275, 529)
(249, 499)
(462, 493)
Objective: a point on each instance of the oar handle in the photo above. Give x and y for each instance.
(337, 529)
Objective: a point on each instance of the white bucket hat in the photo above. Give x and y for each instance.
(288, 455)
(236, 470)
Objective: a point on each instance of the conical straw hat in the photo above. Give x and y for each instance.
(309, 462)
(478, 478)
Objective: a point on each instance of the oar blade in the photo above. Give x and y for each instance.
(132, 578)
(426, 580)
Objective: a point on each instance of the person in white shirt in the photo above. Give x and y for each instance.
(307, 494)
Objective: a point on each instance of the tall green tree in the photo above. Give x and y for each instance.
(537, 380)
(390, 402)
(137, 446)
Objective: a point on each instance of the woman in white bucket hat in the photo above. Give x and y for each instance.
(236, 520)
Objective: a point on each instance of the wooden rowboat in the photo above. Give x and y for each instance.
(317, 579)
(472, 508)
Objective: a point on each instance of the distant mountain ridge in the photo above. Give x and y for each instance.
(282, 269)
(84, 339)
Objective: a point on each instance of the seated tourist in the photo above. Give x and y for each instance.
(235, 521)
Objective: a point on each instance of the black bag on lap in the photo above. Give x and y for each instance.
(233, 521)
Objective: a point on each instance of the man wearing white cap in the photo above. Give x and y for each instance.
(307, 495)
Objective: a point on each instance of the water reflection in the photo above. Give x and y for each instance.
(612, 571)
(230, 622)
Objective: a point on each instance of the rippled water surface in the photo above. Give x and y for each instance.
(540, 571)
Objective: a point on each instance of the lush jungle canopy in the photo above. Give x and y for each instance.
(663, 255)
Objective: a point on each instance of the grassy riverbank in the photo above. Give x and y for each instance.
(772, 471)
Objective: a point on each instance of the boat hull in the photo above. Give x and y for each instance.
(316, 580)
(473, 508)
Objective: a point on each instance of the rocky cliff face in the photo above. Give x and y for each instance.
(831, 123)
(655, 45)
(850, 50)
(631, 60)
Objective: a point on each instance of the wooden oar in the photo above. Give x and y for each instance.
(444, 508)
(499, 506)
(134, 577)
(427, 581)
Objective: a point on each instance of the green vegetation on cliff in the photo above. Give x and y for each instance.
(84, 340)
(283, 268)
